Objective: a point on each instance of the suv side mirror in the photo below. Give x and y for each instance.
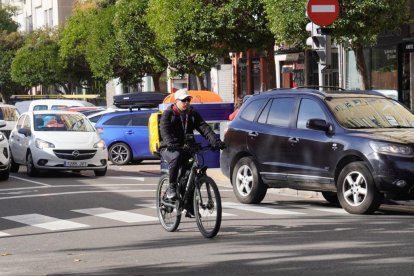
(24, 131)
(319, 124)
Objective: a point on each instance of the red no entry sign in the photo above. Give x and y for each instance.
(323, 12)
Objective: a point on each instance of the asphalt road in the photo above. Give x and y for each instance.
(79, 224)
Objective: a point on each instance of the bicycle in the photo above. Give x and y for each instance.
(193, 184)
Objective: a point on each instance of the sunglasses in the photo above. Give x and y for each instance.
(186, 100)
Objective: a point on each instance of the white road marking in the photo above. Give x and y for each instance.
(152, 206)
(4, 234)
(331, 210)
(123, 216)
(123, 177)
(31, 181)
(78, 192)
(323, 8)
(46, 222)
(259, 209)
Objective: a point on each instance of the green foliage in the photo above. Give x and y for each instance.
(360, 22)
(73, 42)
(138, 53)
(287, 21)
(37, 62)
(9, 44)
(6, 22)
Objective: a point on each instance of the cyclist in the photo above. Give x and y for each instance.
(176, 122)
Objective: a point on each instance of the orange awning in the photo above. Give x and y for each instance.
(199, 96)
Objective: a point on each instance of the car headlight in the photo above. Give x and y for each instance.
(100, 144)
(41, 144)
(2, 137)
(392, 149)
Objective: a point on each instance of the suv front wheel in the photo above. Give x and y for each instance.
(247, 184)
(357, 192)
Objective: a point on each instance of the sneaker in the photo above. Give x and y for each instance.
(188, 214)
(171, 192)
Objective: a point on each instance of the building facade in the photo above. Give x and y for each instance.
(36, 14)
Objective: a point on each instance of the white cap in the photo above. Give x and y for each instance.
(181, 94)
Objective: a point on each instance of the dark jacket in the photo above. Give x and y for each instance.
(172, 130)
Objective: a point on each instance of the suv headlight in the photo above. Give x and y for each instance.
(100, 144)
(392, 149)
(41, 144)
(2, 137)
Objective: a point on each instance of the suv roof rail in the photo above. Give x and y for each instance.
(321, 86)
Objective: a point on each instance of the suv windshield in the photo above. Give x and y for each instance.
(368, 112)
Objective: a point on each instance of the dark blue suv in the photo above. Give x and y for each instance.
(356, 147)
(126, 135)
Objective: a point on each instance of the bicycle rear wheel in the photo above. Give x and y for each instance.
(207, 207)
(166, 209)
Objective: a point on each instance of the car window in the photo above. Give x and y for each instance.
(280, 111)
(8, 113)
(121, 120)
(263, 116)
(57, 107)
(140, 119)
(361, 112)
(309, 109)
(40, 107)
(251, 109)
(27, 123)
(20, 122)
(62, 122)
(96, 118)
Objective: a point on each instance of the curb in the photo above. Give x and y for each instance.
(222, 180)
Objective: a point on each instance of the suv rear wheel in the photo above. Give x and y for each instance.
(357, 192)
(247, 184)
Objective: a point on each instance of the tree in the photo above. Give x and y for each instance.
(9, 44)
(186, 33)
(136, 41)
(38, 62)
(6, 21)
(72, 46)
(358, 26)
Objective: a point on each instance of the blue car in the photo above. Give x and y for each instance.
(126, 135)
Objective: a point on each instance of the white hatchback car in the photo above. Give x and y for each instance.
(57, 140)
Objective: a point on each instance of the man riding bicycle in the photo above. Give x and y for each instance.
(177, 121)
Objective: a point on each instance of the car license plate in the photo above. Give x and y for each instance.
(75, 164)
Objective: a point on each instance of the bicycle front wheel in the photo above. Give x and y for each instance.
(166, 209)
(207, 207)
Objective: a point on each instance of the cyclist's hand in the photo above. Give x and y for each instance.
(186, 147)
(220, 145)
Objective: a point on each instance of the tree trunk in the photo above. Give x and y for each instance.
(156, 80)
(200, 82)
(271, 67)
(362, 68)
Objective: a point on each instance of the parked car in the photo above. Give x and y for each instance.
(56, 104)
(57, 140)
(4, 154)
(126, 134)
(356, 147)
(9, 114)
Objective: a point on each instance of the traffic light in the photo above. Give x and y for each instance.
(320, 42)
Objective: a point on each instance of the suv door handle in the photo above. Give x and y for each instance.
(293, 139)
(130, 132)
(253, 133)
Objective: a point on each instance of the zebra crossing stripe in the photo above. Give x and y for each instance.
(259, 209)
(152, 206)
(123, 216)
(46, 222)
(331, 210)
(4, 234)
